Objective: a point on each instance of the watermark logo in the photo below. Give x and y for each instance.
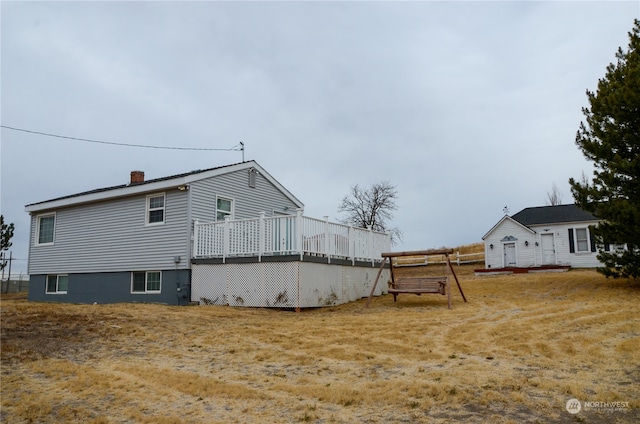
(573, 406)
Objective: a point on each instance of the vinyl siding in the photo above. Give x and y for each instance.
(248, 201)
(112, 236)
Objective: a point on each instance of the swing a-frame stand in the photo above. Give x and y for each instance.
(420, 284)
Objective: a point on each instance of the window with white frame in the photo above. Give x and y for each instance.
(582, 240)
(57, 284)
(155, 209)
(224, 208)
(146, 282)
(45, 231)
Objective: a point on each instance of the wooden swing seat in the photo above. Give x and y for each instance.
(418, 285)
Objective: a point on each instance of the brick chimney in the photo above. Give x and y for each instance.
(137, 177)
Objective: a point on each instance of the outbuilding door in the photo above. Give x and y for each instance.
(509, 254)
(548, 249)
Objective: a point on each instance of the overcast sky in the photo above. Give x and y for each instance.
(466, 107)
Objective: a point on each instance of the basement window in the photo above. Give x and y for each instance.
(57, 284)
(146, 282)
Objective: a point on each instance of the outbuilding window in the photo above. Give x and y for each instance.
(580, 241)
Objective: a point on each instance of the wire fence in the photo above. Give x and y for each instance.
(15, 284)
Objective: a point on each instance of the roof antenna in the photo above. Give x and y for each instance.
(242, 150)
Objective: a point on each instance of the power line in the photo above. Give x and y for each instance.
(236, 148)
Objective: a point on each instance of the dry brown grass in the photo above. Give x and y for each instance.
(521, 347)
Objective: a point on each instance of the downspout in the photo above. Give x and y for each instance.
(189, 250)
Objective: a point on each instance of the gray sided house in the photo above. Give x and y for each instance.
(542, 236)
(133, 242)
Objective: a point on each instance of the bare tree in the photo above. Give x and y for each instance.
(372, 208)
(554, 198)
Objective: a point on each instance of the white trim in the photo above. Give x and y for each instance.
(504, 218)
(36, 241)
(148, 209)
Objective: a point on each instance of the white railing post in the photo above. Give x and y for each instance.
(195, 249)
(226, 242)
(326, 238)
(370, 247)
(298, 229)
(296, 234)
(352, 245)
(261, 236)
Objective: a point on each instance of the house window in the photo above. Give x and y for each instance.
(146, 282)
(224, 208)
(46, 229)
(155, 209)
(57, 284)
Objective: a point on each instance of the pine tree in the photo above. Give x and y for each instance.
(6, 233)
(611, 139)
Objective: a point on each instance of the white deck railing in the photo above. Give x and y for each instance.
(287, 235)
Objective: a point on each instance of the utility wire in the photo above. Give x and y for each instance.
(237, 147)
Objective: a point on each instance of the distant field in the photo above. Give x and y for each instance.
(474, 252)
(517, 352)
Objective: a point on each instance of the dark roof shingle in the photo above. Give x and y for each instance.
(553, 215)
(100, 190)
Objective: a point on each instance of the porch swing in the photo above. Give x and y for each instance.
(419, 284)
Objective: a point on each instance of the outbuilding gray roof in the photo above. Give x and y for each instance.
(553, 215)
